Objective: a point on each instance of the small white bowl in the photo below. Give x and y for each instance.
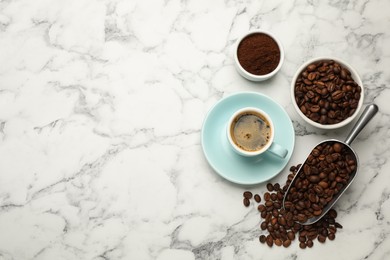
(355, 77)
(251, 76)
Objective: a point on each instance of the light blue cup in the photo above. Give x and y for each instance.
(270, 146)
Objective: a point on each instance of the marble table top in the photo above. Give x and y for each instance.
(101, 109)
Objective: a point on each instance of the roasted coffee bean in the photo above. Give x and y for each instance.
(291, 235)
(321, 238)
(274, 196)
(287, 243)
(314, 178)
(331, 236)
(338, 225)
(332, 213)
(267, 196)
(309, 243)
(317, 85)
(270, 187)
(261, 208)
(257, 198)
(246, 202)
(302, 245)
(262, 239)
(278, 242)
(263, 225)
(269, 241)
(247, 194)
(311, 67)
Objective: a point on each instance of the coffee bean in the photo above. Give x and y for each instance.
(331, 236)
(278, 242)
(247, 194)
(317, 212)
(246, 202)
(263, 225)
(261, 208)
(267, 196)
(269, 241)
(321, 238)
(257, 198)
(309, 243)
(291, 235)
(314, 178)
(302, 245)
(270, 187)
(311, 67)
(287, 243)
(338, 225)
(332, 213)
(323, 184)
(337, 95)
(262, 239)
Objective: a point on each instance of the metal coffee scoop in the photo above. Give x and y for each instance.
(367, 115)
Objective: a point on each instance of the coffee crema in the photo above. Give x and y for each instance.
(250, 131)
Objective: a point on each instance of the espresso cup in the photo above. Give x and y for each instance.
(250, 132)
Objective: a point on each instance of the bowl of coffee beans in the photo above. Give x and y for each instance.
(258, 55)
(327, 92)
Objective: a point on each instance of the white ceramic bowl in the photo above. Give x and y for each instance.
(251, 76)
(355, 77)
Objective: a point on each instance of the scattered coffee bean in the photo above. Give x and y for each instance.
(262, 239)
(279, 223)
(247, 194)
(321, 238)
(270, 187)
(261, 208)
(287, 243)
(257, 198)
(267, 196)
(246, 202)
(270, 241)
(326, 93)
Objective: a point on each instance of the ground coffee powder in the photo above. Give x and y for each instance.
(258, 54)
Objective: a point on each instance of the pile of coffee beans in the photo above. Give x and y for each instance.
(280, 225)
(326, 93)
(326, 171)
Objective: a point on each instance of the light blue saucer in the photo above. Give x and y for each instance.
(226, 162)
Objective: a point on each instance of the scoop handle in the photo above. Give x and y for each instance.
(368, 113)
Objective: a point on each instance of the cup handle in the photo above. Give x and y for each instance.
(278, 150)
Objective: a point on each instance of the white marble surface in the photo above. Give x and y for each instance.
(101, 106)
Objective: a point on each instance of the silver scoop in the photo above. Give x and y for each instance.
(367, 115)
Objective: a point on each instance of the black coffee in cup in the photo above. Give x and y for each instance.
(250, 131)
